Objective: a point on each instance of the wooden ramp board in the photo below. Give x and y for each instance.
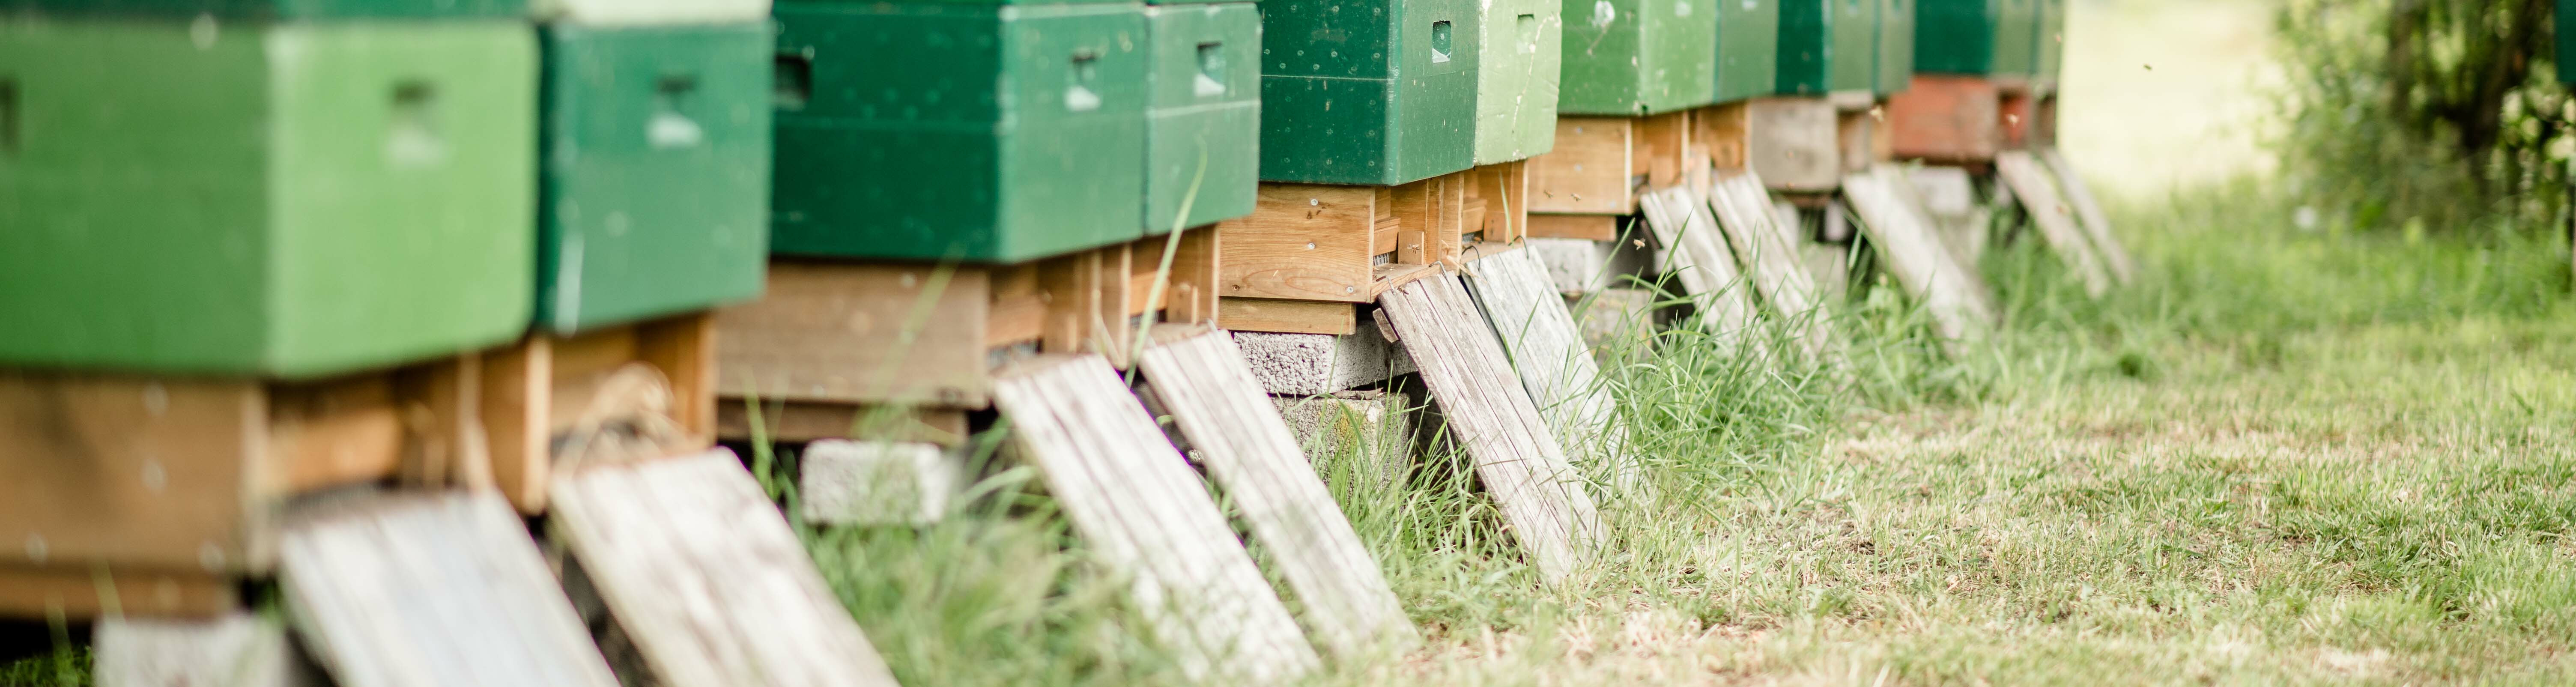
(2037, 194)
(237, 649)
(1744, 214)
(2088, 212)
(431, 590)
(703, 574)
(1950, 292)
(1517, 457)
(1693, 251)
(1132, 496)
(1247, 447)
(1547, 351)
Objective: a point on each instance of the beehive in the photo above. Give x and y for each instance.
(1204, 116)
(1377, 92)
(1828, 45)
(219, 12)
(2051, 43)
(1955, 36)
(654, 194)
(338, 195)
(2016, 36)
(1748, 47)
(1632, 57)
(1895, 63)
(978, 132)
(1516, 79)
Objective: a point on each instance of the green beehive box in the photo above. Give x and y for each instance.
(1632, 57)
(939, 131)
(1516, 79)
(1955, 36)
(2051, 43)
(2016, 33)
(218, 10)
(1827, 46)
(653, 193)
(1203, 121)
(1378, 92)
(288, 201)
(1895, 69)
(1748, 48)
(2566, 64)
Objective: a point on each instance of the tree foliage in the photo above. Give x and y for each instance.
(2441, 112)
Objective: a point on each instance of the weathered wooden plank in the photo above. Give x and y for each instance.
(431, 590)
(701, 571)
(238, 649)
(1131, 495)
(1289, 316)
(1547, 351)
(2089, 214)
(2021, 173)
(1692, 250)
(1248, 449)
(1517, 457)
(1952, 293)
(1772, 260)
(92, 592)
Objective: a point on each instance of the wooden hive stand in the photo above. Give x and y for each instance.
(1310, 254)
(1599, 166)
(155, 495)
(1947, 119)
(607, 395)
(907, 348)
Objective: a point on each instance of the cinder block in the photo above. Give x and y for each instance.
(877, 483)
(236, 650)
(1619, 324)
(1313, 364)
(1371, 428)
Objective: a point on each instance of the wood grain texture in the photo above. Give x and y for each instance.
(1547, 351)
(1285, 316)
(1516, 454)
(76, 592)
(1693, 250)
(1777, 269)
(1133, 498)
(1908, 249)
(1588, 172)
(2089, 214)
(854, 332)
(2037, 193)
(1586, 227)
(431, 590)
(1250, 452)
(702, 572)
(1302, 242)
(134, 471)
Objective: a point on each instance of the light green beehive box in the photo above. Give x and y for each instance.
(1516, 80)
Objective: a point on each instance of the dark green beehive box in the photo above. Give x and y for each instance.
(2051, 43)
(2567, 41)
(1375, 92)
(1516, 79)
(1748, 48)
(654, 184)
(1204, 116)
(271, 9)
(290, 201)
(1895, 68)
(931, 131)
(1828, 45)
(1631, 57)
(1955, 36)
(2016, 33)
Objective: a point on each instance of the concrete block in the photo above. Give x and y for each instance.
(1580, 266)
(1618, 324)
(877, 483)
(239, 649)
(1314, 364)
(1371, 430)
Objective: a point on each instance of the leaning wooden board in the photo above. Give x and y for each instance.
(1548, 353)
(2088, 210)
(1206, 385)
(1516, 455)
(431, 590)
(1743, 208)
(2021, 173)
(1952, 294)
(1133, 498)
(700, 569)
(1693, 251)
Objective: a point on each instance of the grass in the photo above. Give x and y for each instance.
(2285, 457)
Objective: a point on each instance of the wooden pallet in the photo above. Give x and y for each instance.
(1946, 119)
(152, 492)
(904, 350)
(613, 394)
(1310, 253)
